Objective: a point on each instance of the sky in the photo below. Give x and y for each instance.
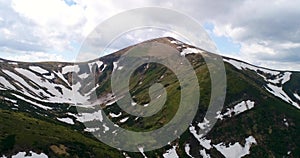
(264, 33)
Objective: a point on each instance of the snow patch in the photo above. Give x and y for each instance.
(285, 122)
(204, 124)
(115, 115)
(105, 128)
(204, 154)
(187, 149)
(50, 77)
(66, 120)
(203, 141)
(10, 100)
(141, 149)
(67, 95)
(190, 51)
(84, 75)
(70, 68)
(6, 84)
(171, 153)
(236, 150)
(115, 65)
(98, 63)
(33, 103)
(61, 76)
(286, 77)
(237, 109)
(13, 63)
(38, 69)
(280, 78)
(91, 129)
(124, 119)
(86, 117)
(297, 96)
(243, 66)
(278, 92)
(33, 155)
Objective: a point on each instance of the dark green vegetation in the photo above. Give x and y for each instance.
(20, 131)
(32, 129)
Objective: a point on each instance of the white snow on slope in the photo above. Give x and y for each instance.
(286, 77)
(220, 147)
(243, 66)
(124, 120)
(236, 150)
(190, 51)
(43, 90)
(126, 155)
(280, 78)
(115, 65)
(204, 154)
(70, 68)
(66, 120)
(105, 128)
(10, 100)
(202, 140)
(86, 117)
(187, 149)
(33, 103)
(84, 75)
(141, 149)
(34, 155)
(278, 91)
(6, 84)
(115, 115)
(204, 124)
(297, 96)
(67, 95)
(21, 81)
(61, 76)
(104, 67)
(98, 63)
(13, 63)
(237, 109)
(171, 153)
(285, 122)
(91, 129)
(38, 69)
(50, 77)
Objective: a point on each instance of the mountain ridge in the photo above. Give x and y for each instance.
(150, 40)
(44, 91)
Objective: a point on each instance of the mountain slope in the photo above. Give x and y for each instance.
(260, 117)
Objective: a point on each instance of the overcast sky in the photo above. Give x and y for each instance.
(264, 33)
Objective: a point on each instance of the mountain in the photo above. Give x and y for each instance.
(38, 114)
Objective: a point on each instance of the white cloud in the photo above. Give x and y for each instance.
(267, 31)
(36, 57)
(255, 48)
(229, 31)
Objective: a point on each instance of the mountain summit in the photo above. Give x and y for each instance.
(39, 102)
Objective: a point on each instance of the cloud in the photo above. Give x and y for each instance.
(267, 31)
(36, 57)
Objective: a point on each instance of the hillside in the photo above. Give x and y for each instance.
(260, 117)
